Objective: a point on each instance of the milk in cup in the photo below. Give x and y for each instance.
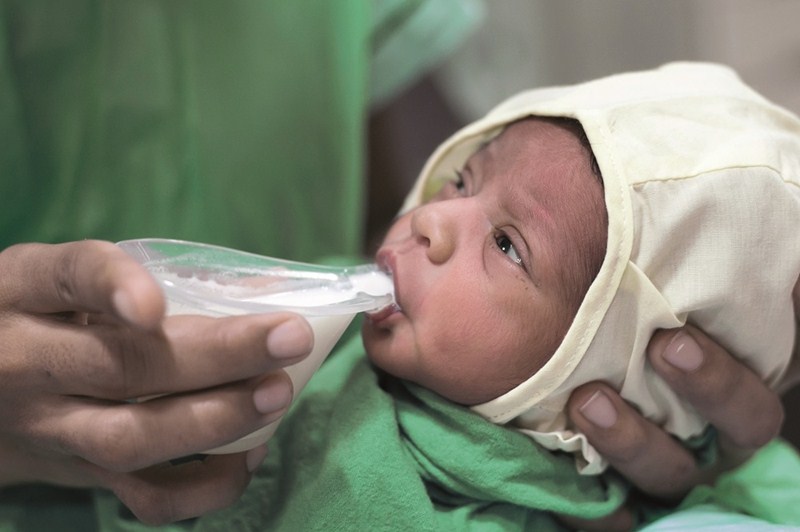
(214, 281)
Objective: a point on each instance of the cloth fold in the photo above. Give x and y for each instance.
(353, 455)
(359, 451)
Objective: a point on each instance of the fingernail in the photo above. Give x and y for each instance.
(599, 410)
(124, 306)
(683, 352)
(290, 339)
(255, 457)
(272, 395)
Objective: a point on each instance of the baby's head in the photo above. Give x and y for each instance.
(522, 275)
(491, 270)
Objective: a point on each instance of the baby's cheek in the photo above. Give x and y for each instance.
(459, 345)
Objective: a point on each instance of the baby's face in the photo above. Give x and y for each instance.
(488, 274)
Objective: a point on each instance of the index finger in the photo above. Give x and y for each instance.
(187, 353)
(723, 391)
(642, 452)
(86, 276)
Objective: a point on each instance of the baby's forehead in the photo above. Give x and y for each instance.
(540, 141)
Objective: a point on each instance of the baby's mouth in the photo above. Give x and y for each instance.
(385, 262)
(383, 313)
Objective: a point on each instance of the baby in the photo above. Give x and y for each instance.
(540, 249)
(544, 244)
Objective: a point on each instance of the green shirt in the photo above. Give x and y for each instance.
(202, 120)
(240, 123)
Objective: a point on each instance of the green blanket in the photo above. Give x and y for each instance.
(359, 451)
(352, 456)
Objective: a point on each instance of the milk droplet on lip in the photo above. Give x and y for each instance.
(373, 283)
(383, 312)
(376, 283)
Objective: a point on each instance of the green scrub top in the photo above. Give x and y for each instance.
(235, 122)
(239, 123)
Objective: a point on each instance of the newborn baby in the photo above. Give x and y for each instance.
(545, 243)
(490, 271)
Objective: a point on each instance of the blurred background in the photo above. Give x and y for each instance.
(520, 44)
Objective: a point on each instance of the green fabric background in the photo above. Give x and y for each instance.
(236, 123)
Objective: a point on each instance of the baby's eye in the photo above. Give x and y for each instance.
(507, 246)
(458, 182)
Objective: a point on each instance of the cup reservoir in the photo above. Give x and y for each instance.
(214, 281)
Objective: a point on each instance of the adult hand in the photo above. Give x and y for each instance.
(745, 412)
(82, 330)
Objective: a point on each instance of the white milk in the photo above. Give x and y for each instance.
(326, 310)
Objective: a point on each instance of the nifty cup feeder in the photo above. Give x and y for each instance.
(215, 281)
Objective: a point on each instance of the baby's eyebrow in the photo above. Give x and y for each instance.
(482, 146)
(478, 153)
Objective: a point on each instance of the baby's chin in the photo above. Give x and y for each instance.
(384, 352)
(390, 363)
(452, 392)
(380, 359)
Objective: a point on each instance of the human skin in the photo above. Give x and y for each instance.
(83, 329)
(479, 269)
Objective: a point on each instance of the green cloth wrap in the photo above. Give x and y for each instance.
(360, 451)
(352, 456)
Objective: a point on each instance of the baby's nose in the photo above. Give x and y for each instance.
(435, 225)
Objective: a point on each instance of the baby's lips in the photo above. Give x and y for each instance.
(383, 313)
(386, 261)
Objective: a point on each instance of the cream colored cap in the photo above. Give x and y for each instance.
(701, 180)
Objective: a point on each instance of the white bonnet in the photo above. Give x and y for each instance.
(701, 180)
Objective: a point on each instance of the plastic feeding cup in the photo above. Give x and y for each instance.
(215, 281)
